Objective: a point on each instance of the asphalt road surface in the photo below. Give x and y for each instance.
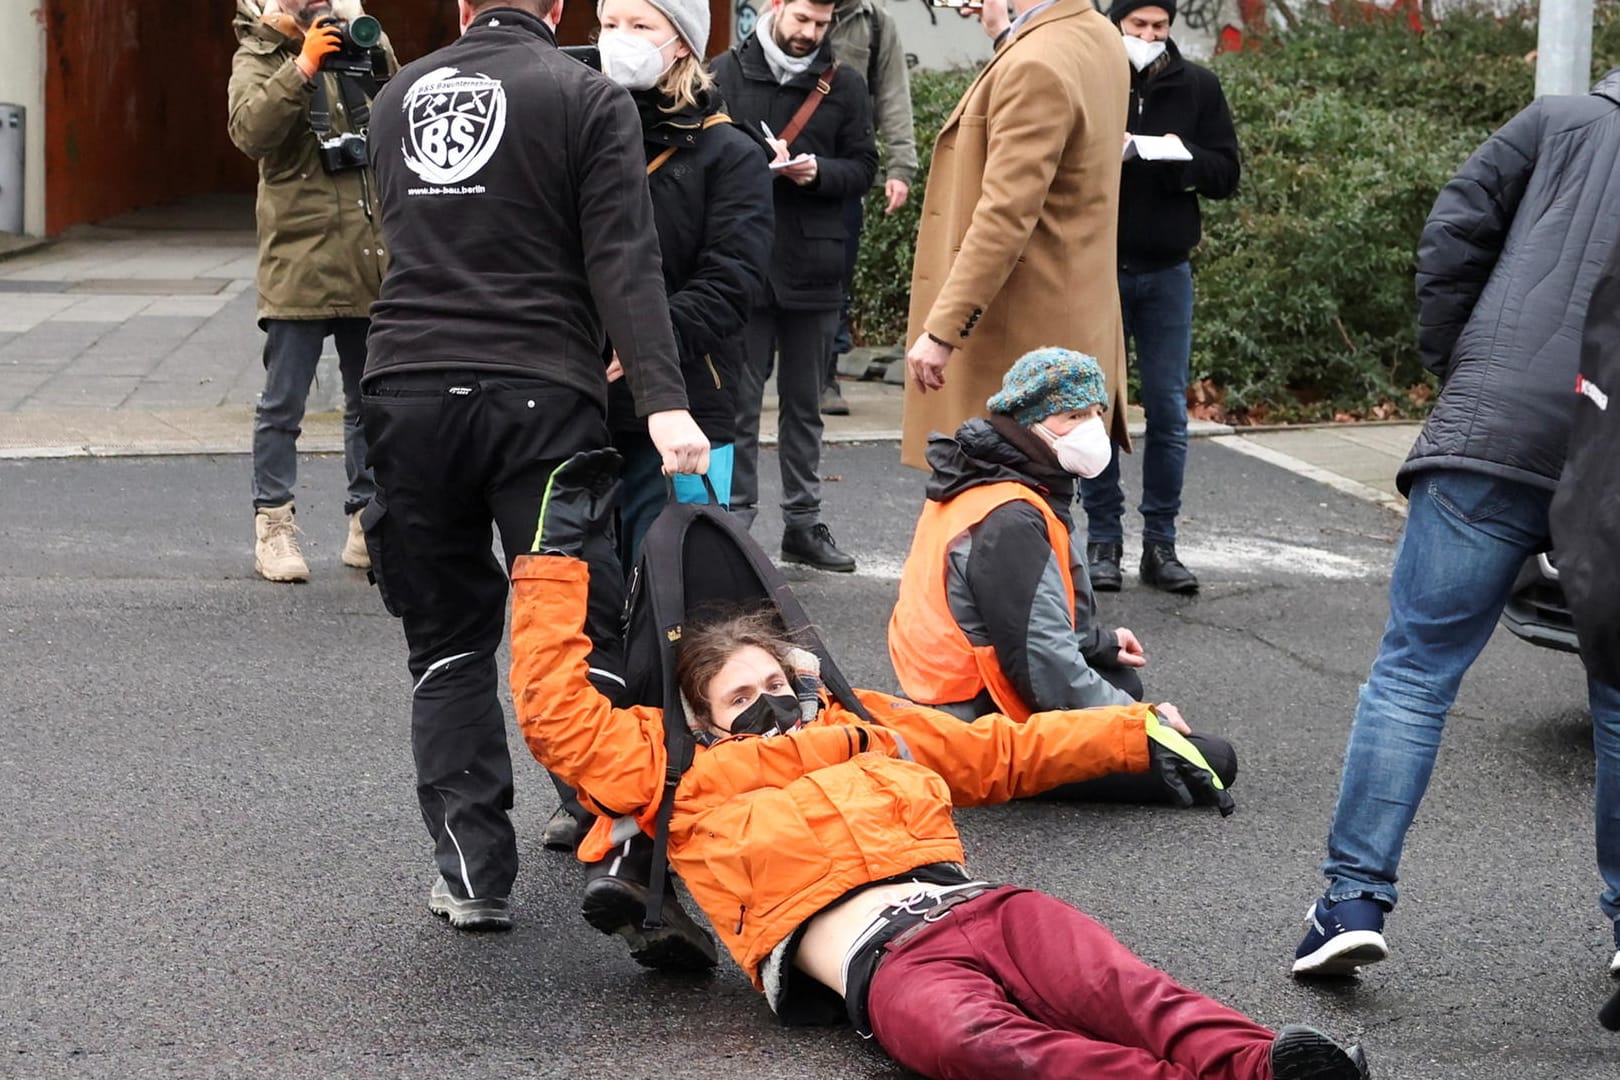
(216, 866)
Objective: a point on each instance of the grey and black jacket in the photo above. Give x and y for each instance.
(1505, 269)
(1004, 585)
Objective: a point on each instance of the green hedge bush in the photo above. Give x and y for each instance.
(1349, 127)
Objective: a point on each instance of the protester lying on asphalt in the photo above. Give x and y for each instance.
(825, 855)
(996, 612)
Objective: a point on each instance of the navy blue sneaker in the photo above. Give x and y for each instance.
(1339, 938)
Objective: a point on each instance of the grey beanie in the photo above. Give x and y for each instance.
(689, 17)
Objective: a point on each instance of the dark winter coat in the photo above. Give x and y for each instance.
(807, 264)
(1003, 585)
(1505, 268)
(514, 202)
(712, 206)
(1159, 222)
(1586, 509)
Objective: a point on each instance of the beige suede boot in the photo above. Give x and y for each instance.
(275, 550)
(355, 553)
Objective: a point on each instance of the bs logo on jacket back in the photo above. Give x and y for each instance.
(455, 123)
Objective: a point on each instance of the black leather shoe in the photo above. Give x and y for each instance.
(1102, 564)
(1161, 569)
(563, 831)
(813, 545)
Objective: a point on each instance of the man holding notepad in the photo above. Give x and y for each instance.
(1179, 145)
(783, 82)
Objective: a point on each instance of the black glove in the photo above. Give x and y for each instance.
(578, 502)
(1184, 770)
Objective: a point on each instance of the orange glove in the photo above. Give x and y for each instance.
(319, 43)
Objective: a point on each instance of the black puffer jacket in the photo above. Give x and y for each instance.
(712, 206)
(1159, 222)
(807, 265)
(1505, 269)
(1586, 510)
(1003, 583)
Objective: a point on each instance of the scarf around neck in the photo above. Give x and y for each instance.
(786, 68)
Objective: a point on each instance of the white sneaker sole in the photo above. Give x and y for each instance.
(1614, 966)
(1345, 954)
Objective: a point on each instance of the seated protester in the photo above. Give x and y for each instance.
(996, 613)
(824, 854)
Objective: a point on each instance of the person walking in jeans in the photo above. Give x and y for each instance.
(783, 76)
(321, 254)
(1159, 226)
(1507, 263)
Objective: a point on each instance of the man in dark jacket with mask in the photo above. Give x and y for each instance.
(783, 77)
(1506, 267)
(1158, 228)
(515, 206)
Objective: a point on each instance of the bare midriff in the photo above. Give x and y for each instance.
(832, 931)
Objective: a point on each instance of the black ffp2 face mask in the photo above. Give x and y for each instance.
(770, 714)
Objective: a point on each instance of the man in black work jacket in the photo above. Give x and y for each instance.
(515, 209)
(783, 76)
(1158, 228)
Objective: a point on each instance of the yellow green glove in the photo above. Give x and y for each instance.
(1184, 769)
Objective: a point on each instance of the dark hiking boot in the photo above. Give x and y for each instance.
(1303, 1053)
(1163, 570)
(617, 905)
(481, 913)
(563, 831)
(1102, 566)
(813, 545)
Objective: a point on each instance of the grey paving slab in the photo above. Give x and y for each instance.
(108, 309)
(18, 384)
(83, 391)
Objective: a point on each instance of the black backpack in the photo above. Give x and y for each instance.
(698, 564)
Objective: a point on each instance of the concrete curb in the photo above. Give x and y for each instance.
(1294, 465)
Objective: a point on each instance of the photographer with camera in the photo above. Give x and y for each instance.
(300, 94)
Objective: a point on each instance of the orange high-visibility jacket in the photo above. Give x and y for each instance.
(768, 832)
(932, 658)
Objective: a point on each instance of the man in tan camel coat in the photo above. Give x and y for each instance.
(1017, 245)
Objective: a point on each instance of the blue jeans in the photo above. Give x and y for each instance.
(644, 493)
(1157, 307)
(292, 350)
(1466, 536)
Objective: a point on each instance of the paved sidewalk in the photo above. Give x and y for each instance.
(137, 336)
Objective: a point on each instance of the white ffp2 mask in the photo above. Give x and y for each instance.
(1142, 53)
(631, 60)
(1085, 451)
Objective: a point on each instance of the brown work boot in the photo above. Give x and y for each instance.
(275, 550)
(355, 553)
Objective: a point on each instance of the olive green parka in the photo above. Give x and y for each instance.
(320, 239)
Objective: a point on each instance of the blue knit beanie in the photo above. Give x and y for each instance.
(1047, 382)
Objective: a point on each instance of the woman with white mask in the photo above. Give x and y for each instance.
(996, 613)
(711, 194)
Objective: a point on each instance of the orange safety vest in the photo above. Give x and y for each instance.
(934, 660)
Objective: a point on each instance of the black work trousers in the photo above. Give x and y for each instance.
(453, 451)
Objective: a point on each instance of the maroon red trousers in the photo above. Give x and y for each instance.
(1016, 983)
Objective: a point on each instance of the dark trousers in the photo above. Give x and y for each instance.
(1017, 984)
(1158, 310)
(800, 339)
(843, 341)
(453, 451)
(292, 351)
